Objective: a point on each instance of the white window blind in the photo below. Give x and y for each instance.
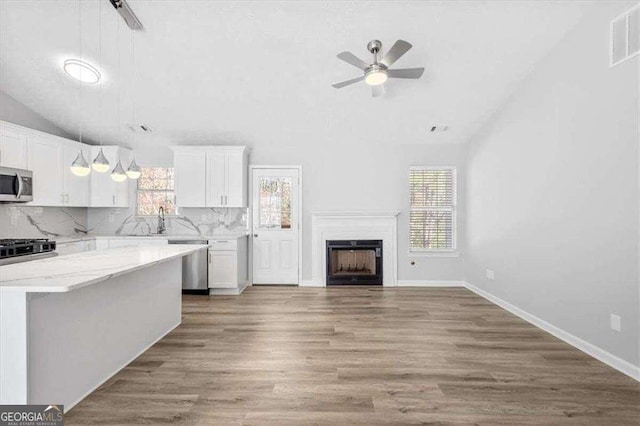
(433, 209)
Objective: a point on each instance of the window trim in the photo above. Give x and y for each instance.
(425, 252)
(138, 190)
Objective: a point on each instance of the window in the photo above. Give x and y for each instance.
(275, 203)
(155, 190)
(432, 219)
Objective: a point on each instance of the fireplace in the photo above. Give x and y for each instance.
(354, 262)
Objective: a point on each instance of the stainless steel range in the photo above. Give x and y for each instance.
(17, 250)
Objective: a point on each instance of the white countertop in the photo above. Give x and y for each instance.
(71, 239)
(73, 271)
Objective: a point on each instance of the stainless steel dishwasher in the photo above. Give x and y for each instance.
(194, 267)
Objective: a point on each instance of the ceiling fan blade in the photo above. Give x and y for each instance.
(405, 73)
(397, 50)
(352, 59)
(347, 82)
(377, 91)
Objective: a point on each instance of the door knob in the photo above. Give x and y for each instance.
(255, 235)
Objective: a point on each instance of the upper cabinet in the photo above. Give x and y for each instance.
(49, 158)
(105, 192)
(210, 176)
(13, 146)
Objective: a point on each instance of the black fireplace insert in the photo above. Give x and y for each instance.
(354, 262)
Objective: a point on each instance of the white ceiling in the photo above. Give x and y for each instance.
(244, 72)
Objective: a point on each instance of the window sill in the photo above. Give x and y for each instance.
(434, 254)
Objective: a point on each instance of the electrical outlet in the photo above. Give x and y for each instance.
(616, 322)
(490, 274)
(37, 210)
(112, 218)
(204, 217)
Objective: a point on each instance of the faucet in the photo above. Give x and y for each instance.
(161, 227)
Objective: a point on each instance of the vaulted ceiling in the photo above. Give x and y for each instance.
(241, 72)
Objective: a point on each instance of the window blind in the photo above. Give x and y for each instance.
(432, 216)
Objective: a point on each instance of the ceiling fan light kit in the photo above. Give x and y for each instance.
(377, 73)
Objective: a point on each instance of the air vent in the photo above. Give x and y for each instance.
(625, 36)
(439, 128)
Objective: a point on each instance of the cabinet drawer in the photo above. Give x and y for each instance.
(223, 244)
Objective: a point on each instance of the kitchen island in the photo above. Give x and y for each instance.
(68, 323)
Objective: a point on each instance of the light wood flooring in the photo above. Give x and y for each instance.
(365, 356)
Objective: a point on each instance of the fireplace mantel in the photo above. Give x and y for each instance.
(354, 225)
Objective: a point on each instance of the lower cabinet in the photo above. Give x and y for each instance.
(228, 265)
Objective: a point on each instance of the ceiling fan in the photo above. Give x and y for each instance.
(378, 72)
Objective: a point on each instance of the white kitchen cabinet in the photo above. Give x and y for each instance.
(49, 159)
(228, 265)
(46, 165)
(13, 146)
(211, 176)
(216, 179)
(75, 188)
(105, 192)
(190, 175)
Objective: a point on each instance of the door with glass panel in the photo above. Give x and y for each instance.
(275, 222)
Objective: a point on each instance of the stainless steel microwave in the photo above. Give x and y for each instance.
(16, 185)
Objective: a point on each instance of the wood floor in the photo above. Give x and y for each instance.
(366, 356)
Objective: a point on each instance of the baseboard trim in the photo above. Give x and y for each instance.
(68, 408)
(430, 283)
(598, 353)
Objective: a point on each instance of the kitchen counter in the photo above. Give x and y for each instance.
(227, 235)
(68, 323)
(66, 273)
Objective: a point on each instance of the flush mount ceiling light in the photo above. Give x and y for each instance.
(375, 76)
(81, 70)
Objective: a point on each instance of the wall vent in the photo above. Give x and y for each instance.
(625, 36)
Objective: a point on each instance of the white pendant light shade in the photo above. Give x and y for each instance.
(80, 166)
(118, 173)
(133, 172)
(100, 163)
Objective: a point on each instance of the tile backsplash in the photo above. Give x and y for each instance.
(19, 221)
(192, 221)
(51, 222)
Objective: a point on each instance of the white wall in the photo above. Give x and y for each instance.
(552, 184)
(15, 112)
(340, 174)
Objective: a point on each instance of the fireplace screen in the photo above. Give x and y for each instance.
(354, 262)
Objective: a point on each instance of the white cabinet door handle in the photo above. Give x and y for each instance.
(209, 257)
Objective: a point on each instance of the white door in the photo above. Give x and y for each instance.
(275, 222)
(216, 175)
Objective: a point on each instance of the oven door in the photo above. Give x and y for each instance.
(16, 185)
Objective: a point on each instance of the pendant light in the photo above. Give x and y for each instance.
(133, 172)
(100, 163)
(79, 166)
(118, 174)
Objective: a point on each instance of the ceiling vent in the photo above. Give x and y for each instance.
(625, 36)
(439, 128)
(127, 14)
